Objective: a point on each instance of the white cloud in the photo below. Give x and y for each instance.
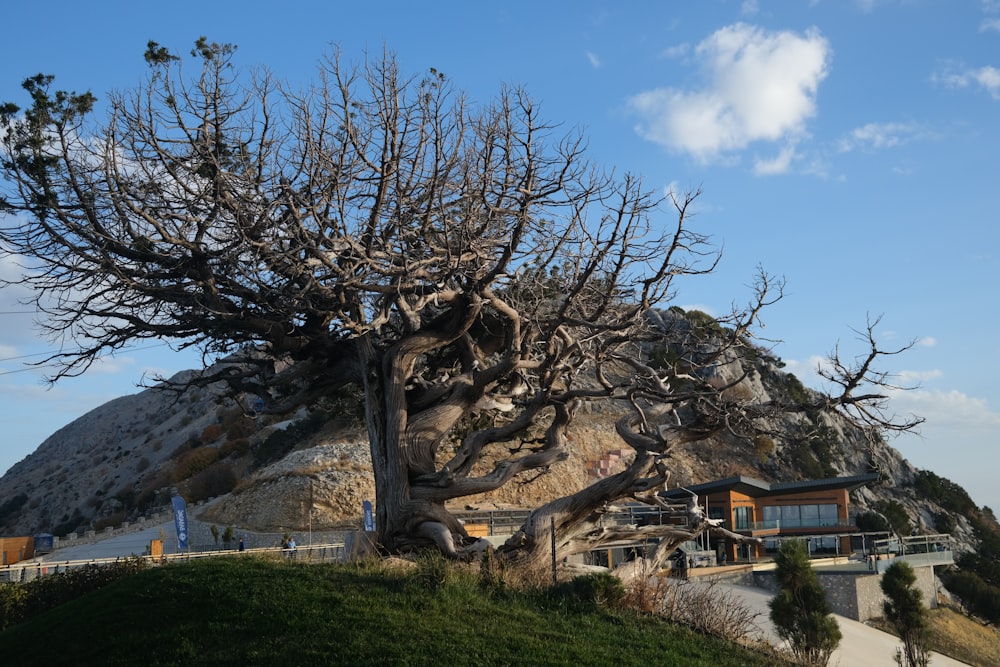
(758, 86)
(911, 378)
(593, 59)
(749, 7)
(951, 409)
(874, 136)
(777, 165)
(990, 22)
(806, 371)
(927, 341)
(986, 77)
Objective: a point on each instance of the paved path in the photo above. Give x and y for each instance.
(119, 546)
(861, 646)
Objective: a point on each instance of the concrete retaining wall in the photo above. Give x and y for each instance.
(857, 595)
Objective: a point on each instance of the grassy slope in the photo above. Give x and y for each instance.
(964, 639)
(959, 637)
(249, 611)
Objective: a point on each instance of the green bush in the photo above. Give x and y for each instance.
(281, 442)
(946, 493)
(800, 611)
(194, 461)
(21, 601)
(979, 597)
(601, 588)
(906, 613)
(216, 480)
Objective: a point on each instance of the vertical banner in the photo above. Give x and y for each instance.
(369, 517)
(180, 522)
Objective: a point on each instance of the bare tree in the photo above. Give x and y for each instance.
(464, 265)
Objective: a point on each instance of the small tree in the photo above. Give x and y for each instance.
(228, 535)
(215, 533)
(906, 613)
(800, 611)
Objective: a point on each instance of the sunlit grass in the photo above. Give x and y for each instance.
(251, 611)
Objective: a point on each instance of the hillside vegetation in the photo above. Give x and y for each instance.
(312, 467)
(251, 611)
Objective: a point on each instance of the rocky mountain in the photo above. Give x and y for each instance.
(127, 458)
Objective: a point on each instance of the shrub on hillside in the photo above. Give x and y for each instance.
(216, 480)
(193, 462)
(946, 493)
(281, 442)
(210, 433)
(978, 596)
(600, 588)
(21, 601)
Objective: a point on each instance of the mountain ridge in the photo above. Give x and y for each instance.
(313, 466)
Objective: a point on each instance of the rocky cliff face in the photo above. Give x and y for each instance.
(314, 468)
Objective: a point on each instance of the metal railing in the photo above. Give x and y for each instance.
(778, 524)
(506, 522)
(918, 549)
(317, 553)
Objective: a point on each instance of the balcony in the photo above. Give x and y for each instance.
(775, 527)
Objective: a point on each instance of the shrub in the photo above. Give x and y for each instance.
(234, 448)
(800, 611)
(68, 524)
(110, 521)
(946, 493)
(193, 462)
(871, 522)
(19, 602)
(281, 442)
(210, 433)
(979, 597)
(12, 506)
(601, 588)
(216, 480)
(944, 522)
(764, 446)
(707, 608)
(896, 514)
(906, 613)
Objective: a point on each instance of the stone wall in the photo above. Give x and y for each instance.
(857, 595)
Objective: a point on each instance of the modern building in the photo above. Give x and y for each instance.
(16, 549)
(816, 510)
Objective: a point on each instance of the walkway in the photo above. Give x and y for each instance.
(861, 646)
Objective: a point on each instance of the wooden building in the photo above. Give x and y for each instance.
(816, 510)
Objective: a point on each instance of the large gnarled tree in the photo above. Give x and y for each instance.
(449, 259)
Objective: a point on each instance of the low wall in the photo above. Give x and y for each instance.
(856, 594)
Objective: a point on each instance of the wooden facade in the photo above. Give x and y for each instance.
(815, 509)
(15, 549)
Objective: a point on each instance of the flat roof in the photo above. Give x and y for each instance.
(756, 488)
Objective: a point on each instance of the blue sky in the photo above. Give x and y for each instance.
(851, 147)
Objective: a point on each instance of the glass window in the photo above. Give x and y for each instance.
(828, 515)
(809, 515)
(772, 513)
(743, 518)
(790, 516)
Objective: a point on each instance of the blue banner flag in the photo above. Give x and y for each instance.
(180, 522)
(369, 518)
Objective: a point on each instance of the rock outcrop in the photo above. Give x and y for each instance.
(313, 468)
